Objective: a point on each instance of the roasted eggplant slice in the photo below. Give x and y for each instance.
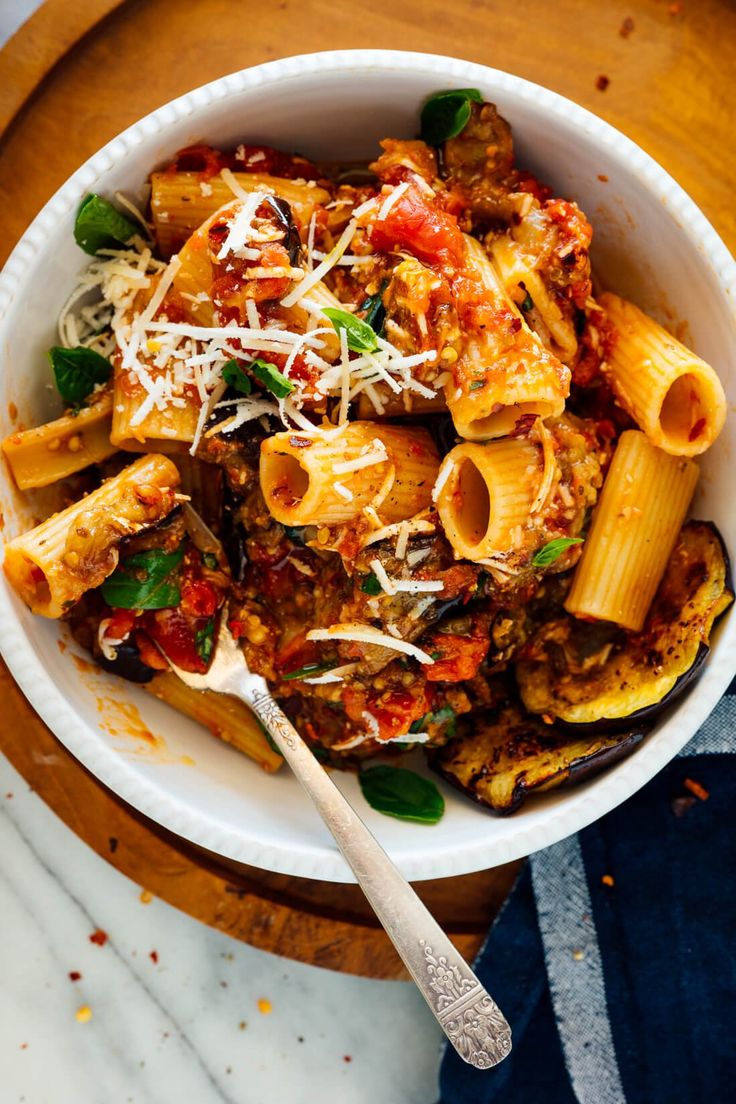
(510, 754)
(583, 674)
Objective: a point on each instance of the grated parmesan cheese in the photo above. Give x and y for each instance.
(365, 634)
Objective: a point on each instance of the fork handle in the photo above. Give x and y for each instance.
(467, 1014)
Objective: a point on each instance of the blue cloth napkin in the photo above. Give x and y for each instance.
(623, 993)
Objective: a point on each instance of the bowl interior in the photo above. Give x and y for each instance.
(650, 244)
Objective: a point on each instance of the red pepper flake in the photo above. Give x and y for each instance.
(24, 1046)
(8, 795)
(695, 788)
(603, 178)
(74, 975)
(99, 937)
(153, 955)
(626, 27)
(607, 880)
(347, 1058)
(602, 82)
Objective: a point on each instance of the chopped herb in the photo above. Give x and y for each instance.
(552, 551)
(375, 312)
(308, 670)
(145, 580)
(436, 655)
(527, 303)
(269, 375)
(204, 640)
(477, 384)
(445, 114)
(269, 738)
(443, 716)
(360, 334)
(234, 375)
(371, 585)
(401, 793)
(209, 559)
(99, 225)
(78, 371)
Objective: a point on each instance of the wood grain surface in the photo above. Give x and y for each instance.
(670, 87)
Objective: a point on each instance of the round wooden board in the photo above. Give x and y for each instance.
(670, 88)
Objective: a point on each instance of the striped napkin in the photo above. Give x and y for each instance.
(614, 958)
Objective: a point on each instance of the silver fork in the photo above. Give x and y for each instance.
(467, 1014)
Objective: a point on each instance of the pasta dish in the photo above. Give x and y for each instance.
(386, 417)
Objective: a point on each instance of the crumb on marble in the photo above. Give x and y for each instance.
(578, 955)
(99, 937)
(603, 178)
(223, 985)
(83, 1014)
(24, 1046)
(242, 1025)
(347, 1057)
(145, 897)
(8, 795)
(264, 1006)
(153, 955)
(607, 880)
(74, 975)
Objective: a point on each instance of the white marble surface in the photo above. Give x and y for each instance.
(186, 1029)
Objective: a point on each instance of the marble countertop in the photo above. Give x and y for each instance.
(165, 1009)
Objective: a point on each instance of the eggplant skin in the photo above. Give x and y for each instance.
(635, 675)
(127, 663)
(511, 754)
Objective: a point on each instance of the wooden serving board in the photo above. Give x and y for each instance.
(69, 83)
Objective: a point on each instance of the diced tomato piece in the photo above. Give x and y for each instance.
(394, 710)
(459, 656)
(421, 228)
(149, 653)
(198, 599)
(121, 622)
(174, 634)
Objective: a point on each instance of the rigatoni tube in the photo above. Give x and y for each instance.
(181, 201)
(641, 509)
(47, 453)
(504, 373)
(226, 717)
(673, 395)
(75, 550)
(486, 494)
(330, 477)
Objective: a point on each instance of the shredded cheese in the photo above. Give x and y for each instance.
(365, 634)
(322, 269)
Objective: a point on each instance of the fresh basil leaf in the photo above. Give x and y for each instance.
(361, 336)
(552, 551)
(204, 640)
(445, 114)
(443, 716)
(269, 375)
(234, 375)
(375, 312)
(99, 225)
(308, 670)
(371, 585)
(145, 580)
(401, 793)
(78, 371)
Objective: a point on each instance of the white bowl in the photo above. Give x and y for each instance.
(651, 243)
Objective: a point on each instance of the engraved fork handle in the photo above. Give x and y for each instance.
(469, 1017)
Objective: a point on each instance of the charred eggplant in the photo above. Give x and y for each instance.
(631, 677)
(509, 754)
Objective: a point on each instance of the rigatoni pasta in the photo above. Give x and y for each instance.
(673, 395)
(392, 403)
(505, 374)
(642, 506)
(71, 552)
(56, 450)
